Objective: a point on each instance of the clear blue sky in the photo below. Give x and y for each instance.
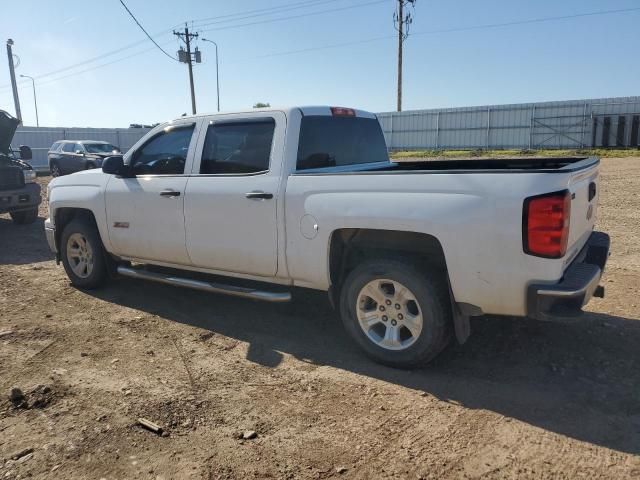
(594, 56)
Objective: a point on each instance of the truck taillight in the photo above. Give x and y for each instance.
(343, 112)
(545, 225)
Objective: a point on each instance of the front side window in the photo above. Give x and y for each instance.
(238, 147)
(164, 154)
(99, 147)
(69, 147)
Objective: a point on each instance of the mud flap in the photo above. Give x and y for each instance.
(461, 322)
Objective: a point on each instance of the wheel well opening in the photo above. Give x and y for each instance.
(64, 216)
(351, 246)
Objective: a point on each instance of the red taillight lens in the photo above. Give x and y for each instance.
(546, 224)
(343, 112)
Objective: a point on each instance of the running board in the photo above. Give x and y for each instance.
(206, 286)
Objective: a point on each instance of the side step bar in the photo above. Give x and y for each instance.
(233, 290)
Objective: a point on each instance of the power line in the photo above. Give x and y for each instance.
(339, 45)
(260, 12)
(145, 32)
(446, 30)
(267, 11)
(259, 22)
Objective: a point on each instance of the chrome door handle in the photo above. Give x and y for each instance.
(169, 193)
(259, 195)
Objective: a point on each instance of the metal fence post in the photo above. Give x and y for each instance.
(533, 116)
(488, 125)
(584, 120)
(438, 130)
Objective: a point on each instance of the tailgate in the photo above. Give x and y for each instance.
(584, 187)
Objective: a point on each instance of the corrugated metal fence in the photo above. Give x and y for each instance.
(604, 122)
(41, 139)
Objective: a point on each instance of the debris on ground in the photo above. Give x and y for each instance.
(22, 453)
(149, 425)
(17, 398)
(249, 435)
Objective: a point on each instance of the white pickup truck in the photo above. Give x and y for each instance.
(270, 199)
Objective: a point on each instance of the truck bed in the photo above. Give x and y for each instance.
(466, 165)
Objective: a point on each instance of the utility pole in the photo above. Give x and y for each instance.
(186, 57)
(402, 21)
(12, 74)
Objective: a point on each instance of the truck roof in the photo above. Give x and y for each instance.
(304, 110)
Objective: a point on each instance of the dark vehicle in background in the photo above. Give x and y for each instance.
(68, 156)
(19, 192)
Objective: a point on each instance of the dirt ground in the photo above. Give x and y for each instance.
(519, 400)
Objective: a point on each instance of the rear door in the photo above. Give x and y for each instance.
(145, 214)
(232, 195)
(68, 158)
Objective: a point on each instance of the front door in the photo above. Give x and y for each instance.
(232, 195)
(145, 213)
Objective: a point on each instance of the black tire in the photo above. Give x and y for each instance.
(24, 217)
(429, 288)
(55, 170)
(98, 274)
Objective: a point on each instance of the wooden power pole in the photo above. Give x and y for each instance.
(402, 21)
(186, 57)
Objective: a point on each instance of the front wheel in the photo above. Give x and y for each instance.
(24, 217)
(399, 315)
(55, 169)
(82, 255)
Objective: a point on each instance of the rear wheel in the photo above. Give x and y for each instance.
(24, 217)
(82, 254)
(399, 315)
(55, 169)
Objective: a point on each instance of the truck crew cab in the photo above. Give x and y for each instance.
(307, 197)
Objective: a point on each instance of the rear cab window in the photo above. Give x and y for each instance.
(338, 141)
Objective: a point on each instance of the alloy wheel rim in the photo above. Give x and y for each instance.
(389, 314)
(80, 255)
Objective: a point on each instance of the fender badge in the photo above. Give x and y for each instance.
(120, 224)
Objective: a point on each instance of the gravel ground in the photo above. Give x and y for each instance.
(519, 400)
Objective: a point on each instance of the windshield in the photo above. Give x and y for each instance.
(100, 148)
(329, 141)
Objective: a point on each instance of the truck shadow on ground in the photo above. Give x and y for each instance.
(581, 380)
(23, 244)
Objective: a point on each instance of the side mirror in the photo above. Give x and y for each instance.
(79, 152)
(115, 166)
(25, 153)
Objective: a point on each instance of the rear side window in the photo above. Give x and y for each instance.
(165, 153)
(238, 147)
(55, 147)
(69, 147)
(329, 141)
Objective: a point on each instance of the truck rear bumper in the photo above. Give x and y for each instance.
(23, 198)
(580, 282)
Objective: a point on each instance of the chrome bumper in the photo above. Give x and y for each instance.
(50, 232)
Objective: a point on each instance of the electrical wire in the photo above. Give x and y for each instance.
(260, 22)
(345, 44)
(259, 12)
(145, 32)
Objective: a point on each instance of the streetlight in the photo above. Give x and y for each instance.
(33, 82)
(217, 75)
